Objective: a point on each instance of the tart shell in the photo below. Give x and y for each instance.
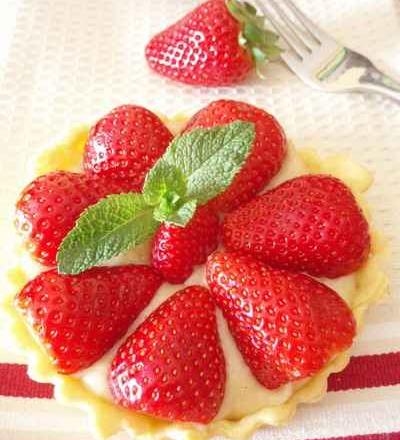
(107, 418)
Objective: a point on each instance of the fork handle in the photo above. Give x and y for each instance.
(375, 80)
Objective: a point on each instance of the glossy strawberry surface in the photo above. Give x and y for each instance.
(286, 325)
(125, 144)
(176, 250)
(173, 366)
(310, 223)
(201, 49)
(265, 158)
(78, 318)
(49, 206)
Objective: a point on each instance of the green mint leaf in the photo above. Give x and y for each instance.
(210, 158)
(104, 230)
(169, 204)
(162, 179)
(180, 217)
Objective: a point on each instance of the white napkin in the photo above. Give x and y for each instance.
(67, 62)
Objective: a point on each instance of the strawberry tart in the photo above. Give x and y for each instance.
(190, 277)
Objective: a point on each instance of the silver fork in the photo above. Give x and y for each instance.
(321, 61)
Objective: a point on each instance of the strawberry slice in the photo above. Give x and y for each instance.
(286, 325)
(266, 156)
(177, 250)
(80, 317)
(50, 205)
(173, 366)
(125, 144)
(310, 223)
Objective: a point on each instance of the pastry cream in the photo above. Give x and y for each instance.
(247, 405)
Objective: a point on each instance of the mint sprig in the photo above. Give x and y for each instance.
(164, 181)
(195, 168)
(111, 226)
(210, 158)
(180, 217)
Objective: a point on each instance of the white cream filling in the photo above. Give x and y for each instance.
(243, 393)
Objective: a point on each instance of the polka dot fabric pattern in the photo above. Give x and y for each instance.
(193, 49)
(49, 206)
(78, 318)
(265, 159)
(310, 223)
(125, 144)
(286, 325)
(173, 366)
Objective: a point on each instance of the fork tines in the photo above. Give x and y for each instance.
(300, 33)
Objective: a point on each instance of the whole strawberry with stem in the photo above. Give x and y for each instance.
(173, 366)
(266, 156)
(216, 44)
(311, 223)
(125, 144)
(49, 206)
(176, 250)
(78, 318)
(286, 325)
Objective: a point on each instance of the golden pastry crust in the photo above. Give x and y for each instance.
(107, 418)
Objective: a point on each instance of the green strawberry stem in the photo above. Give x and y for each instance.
(254, 37)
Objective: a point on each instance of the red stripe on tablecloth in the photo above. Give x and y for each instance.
(362, 372)
(367, 371)
(15, 382)
(381, 436)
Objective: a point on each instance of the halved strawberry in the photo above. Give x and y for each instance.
(311, 223)
(265, 158)
(125, 144)
(286, 325)
(176, 250)
(173, 366)
(50, 205)
(80, 317)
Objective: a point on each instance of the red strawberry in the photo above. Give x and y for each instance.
(210, 47)
(286, 325)
(125, 144)
(173, 366)
(177, 250)
(310, 223)
(265, 159)
(50, 205)
(80, 317)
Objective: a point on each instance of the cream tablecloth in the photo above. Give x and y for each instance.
(67, 61)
